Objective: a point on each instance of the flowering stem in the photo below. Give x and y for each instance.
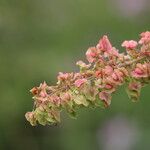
(107, 70)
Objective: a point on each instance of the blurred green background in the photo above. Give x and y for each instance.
(39, 38)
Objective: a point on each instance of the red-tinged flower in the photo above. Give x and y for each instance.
(114, 52)
(43, 94)
(40, 92)
(30, 116)
(109, 86)
(119, 74)
(105, 97)
(34, 90)
(80, 82)
(135, 86)
(91, 54)
(145, 52)
(129, 44)
(42, 89)
(145, 38)
(43, 85)
(104, 44)
(146, 68)
(65, 97)
(116, 78)
(124, 71)
(140, 71)
(76, 75)
(82, 65)
(63, 76)
(56, 100)
(98, 73)
(108, 70)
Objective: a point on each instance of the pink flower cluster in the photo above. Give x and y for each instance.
(145, 38)
(93, 85)
(130, 44)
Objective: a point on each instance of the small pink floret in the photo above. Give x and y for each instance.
(141, 70)
(135, 86)
(145, 37)
(63, 76)
(79, 82)
(105, 97)
(108, 70)
(104, 44)
(91, 54)
(130, 44)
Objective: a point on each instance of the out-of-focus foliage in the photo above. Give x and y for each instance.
(40, 38)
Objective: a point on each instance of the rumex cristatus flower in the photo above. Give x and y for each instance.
(104, 44)
(141, 70)
(97, 80)
(79, 82)
(129, 44)
(145, 38)
(91, 54)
